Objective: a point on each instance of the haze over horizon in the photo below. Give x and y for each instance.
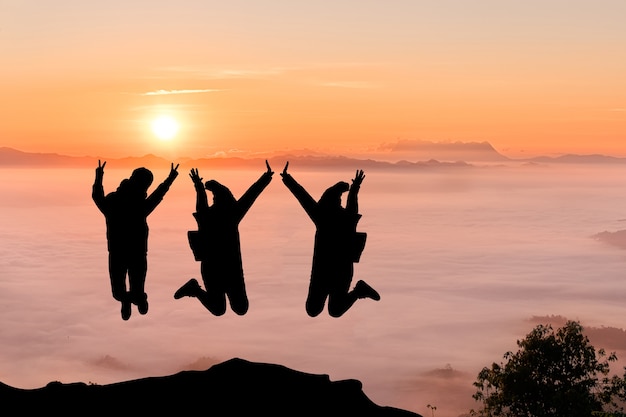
(401, 151)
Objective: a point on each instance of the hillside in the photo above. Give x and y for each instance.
(236, 387)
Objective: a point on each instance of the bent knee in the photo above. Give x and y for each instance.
(218, 311)
(336, 312)
(314, 309)
(337, 306)
(240, 309)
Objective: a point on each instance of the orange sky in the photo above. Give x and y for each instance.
(529, 77)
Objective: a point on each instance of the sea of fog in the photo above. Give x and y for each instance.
(465, 260)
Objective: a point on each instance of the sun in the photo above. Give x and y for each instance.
(165, 127)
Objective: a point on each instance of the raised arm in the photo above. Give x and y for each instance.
(352, 205)
(249, 197)
(97, 192)
(157, 195)
(201, 199)
(304, 198)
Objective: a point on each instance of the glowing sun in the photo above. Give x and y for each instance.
(165, 127)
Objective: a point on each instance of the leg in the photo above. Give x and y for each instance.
(214, 298)
(339, 299)
(117, 275)
(316, 298)
(237, 296)
(137, 280)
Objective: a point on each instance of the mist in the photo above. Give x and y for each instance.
(463, 258)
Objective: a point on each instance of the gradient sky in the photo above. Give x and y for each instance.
(531, 77)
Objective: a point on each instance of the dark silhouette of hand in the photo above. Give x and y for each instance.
(195, 176)
(282, 174)
(100, 170)
(269, 169)
(174, 171)
(358, 178)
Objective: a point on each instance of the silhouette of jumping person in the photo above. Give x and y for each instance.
(125, 211)
(217, 246)
(337, 246)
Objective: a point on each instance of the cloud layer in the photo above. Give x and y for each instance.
(461, 270)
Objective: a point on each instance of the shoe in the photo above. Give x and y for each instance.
(365, 291)
(126, 310)
(142, 304)
(189, 289)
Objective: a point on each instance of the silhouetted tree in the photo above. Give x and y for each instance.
(552, 374)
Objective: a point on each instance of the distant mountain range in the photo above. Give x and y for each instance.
(10, 157)
(233, 388)
(581, 159)
(436, 155)
(443, 151)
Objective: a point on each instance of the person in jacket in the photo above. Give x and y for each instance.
(217, 246)
(337, 246)
(126, 211)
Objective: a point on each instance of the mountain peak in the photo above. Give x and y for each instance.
(444, 151)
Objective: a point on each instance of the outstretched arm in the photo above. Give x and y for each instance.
(304, 198)
(97, 192)
(352, 205)
(249, 197)
(157, 195)
(201, 199)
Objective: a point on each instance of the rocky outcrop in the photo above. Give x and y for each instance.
(232, 388)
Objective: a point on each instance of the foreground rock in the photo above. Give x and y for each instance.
(233, 388)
